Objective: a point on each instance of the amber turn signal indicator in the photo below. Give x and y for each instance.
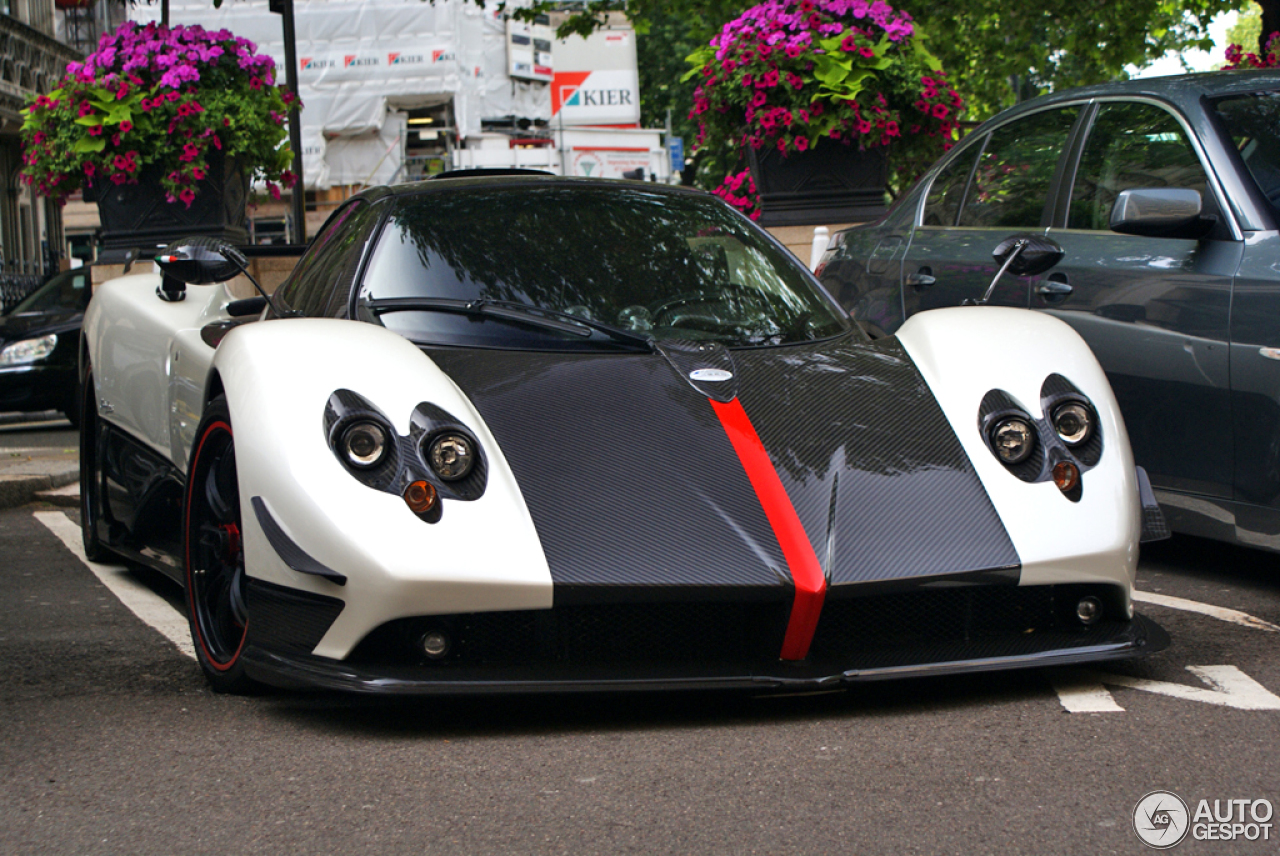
(420, 496)
(1066, 476)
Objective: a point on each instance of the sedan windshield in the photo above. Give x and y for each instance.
(1253, 121)
(516, 266)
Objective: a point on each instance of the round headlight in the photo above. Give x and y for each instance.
(452, 456)
(364, 444)
(1073, 422)
(1013, 440)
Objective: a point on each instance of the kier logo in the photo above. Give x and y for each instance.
(405, 59)
(443, 56)
(356, 61)
(307, 63)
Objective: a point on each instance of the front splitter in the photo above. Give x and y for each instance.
(1134, 638)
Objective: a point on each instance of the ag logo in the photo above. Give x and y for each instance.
(1161, 819)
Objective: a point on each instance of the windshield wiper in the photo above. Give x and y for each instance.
(520, 313)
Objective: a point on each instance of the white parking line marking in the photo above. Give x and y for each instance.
(1221, 613)
(1083, 690)
(141, 601)
(1082, 694)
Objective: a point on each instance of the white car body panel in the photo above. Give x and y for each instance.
(153, 369)
(482, 556)
(133, 337)
(964, 352)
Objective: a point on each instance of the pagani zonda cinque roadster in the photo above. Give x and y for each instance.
(518, 432)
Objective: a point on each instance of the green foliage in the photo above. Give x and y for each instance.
(1248, 28)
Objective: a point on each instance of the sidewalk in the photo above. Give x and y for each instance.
(28, 473)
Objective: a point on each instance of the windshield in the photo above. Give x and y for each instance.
(1253, 121)
(67, 290)
(661, 265)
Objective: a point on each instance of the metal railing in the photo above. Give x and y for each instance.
(16, 285)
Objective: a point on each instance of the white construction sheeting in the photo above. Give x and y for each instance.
(358, 60)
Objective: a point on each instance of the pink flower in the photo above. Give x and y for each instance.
(189, 152)
(802, 143)
(197, 173)
(941, 111)
(187, 195)
(126, 126)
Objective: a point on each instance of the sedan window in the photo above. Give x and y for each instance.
(1011, 185)
(946, 194)
(1253, 121)
(1131, 144)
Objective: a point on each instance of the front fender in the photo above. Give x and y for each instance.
(964, 352)
(482, 555)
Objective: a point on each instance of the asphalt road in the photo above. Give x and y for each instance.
(111, 743)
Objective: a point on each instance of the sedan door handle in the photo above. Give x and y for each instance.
(921, 278)
(1055, 289)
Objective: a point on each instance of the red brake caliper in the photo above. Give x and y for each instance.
(231, 531)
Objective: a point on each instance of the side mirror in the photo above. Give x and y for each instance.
(1024, 254)
(1037, 255)
(1161, 212)
(201, 261)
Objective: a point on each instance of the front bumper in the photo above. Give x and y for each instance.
(37, 387)
(1112, 640)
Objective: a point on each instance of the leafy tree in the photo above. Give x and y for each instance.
(1247, 29)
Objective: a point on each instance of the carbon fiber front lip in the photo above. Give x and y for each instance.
(1135, 638)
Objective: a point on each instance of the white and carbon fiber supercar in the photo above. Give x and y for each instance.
(624, 440)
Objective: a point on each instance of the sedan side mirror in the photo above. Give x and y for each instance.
(1161, 212)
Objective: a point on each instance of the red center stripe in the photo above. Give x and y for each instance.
(806, 572)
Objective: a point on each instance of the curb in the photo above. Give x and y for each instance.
(19, 490)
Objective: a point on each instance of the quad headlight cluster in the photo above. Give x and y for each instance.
(440, 459)
(1058, 447)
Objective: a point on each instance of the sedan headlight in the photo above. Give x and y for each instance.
(1013, 439)
(1074, 422)
(28, 350)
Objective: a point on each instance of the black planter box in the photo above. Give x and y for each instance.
(830, 183)
(136, 216)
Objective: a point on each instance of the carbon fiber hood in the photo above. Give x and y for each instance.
(631, 480)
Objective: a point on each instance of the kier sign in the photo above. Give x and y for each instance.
(610, 97)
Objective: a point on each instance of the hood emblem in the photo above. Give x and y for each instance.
(711, 375)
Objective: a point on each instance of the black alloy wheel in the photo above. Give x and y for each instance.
(90, 478)
(214, 554)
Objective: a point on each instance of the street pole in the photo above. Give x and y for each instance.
(299, 193)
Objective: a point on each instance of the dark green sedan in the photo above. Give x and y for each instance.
(1164, 197)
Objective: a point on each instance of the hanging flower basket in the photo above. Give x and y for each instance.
(141, 216)
(165, 127)
(842, 87)
(829, 183)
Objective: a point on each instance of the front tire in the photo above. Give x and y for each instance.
(214, 554)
